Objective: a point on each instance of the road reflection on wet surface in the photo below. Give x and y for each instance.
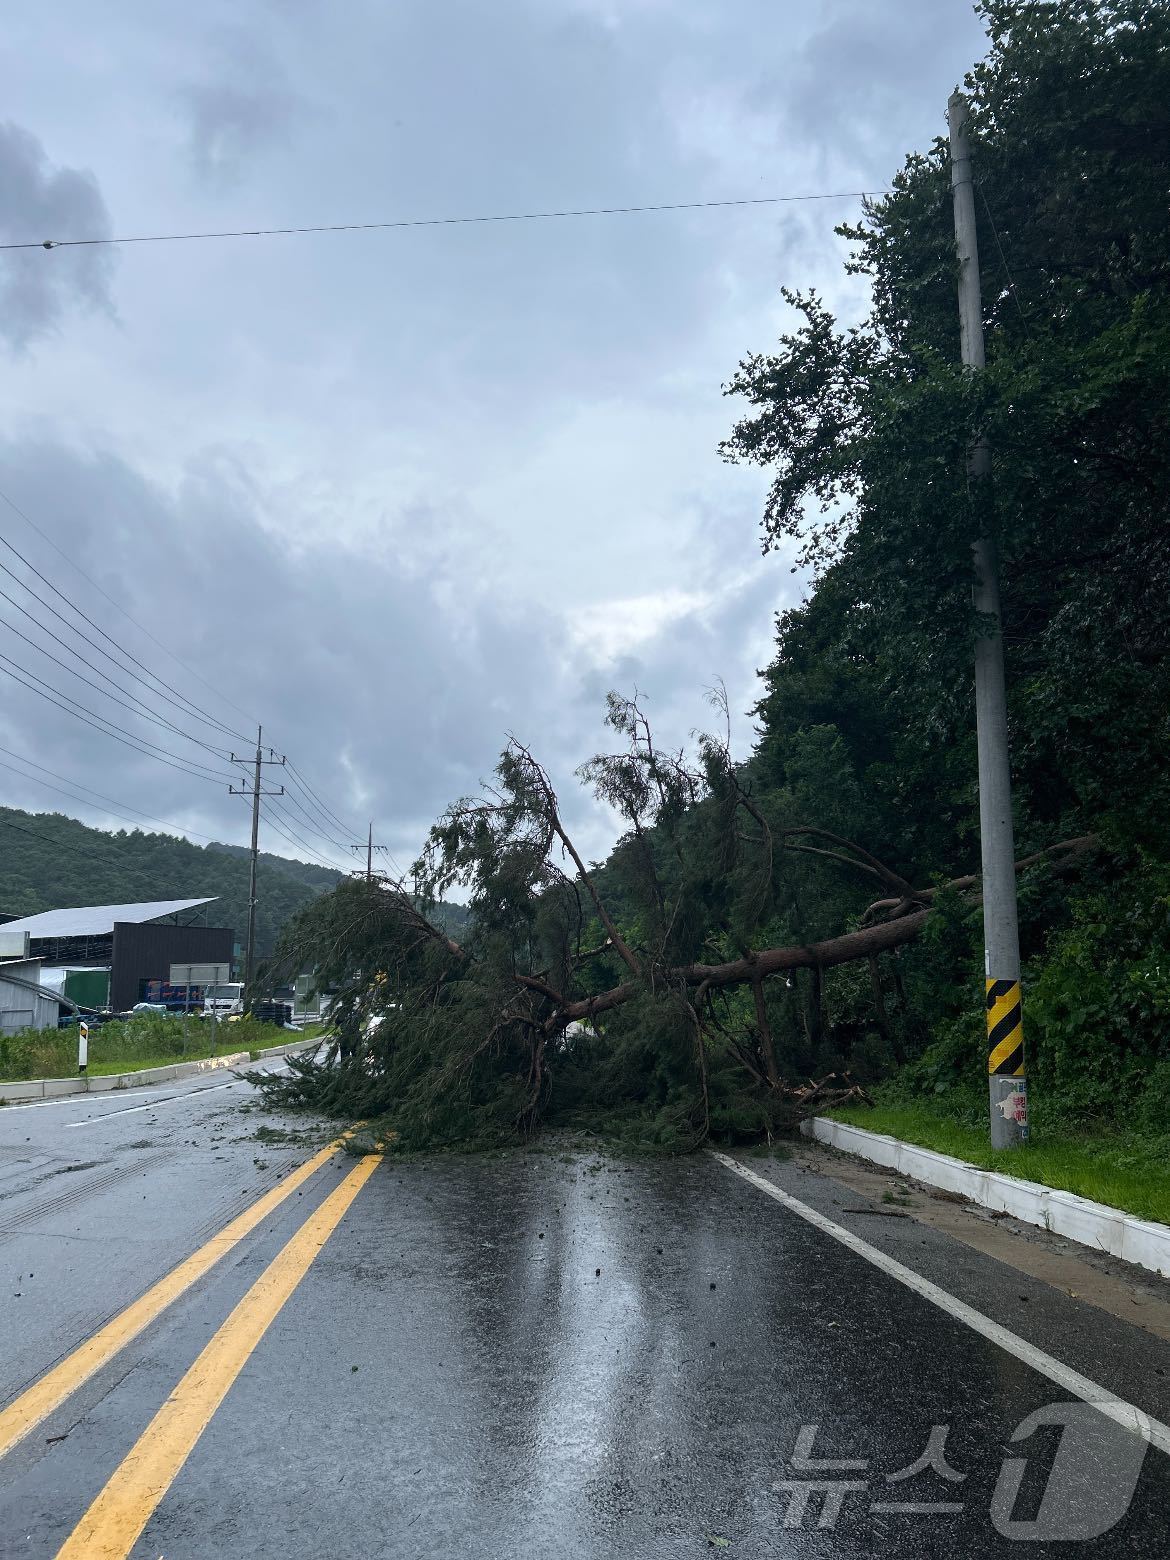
(556, 1355)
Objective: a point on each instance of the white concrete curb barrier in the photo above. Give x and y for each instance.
(94, 1083)
(1135, 1240)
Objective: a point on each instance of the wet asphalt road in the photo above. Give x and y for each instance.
(454, 1376)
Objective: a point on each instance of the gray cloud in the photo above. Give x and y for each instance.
(40, 202)
(420, 696)
(847, 89)
(399, 493)
(242, 106)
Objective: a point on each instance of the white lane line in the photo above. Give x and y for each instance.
(191, 1094)
(74, 1099)
(112, 1094)
(1113, 1407)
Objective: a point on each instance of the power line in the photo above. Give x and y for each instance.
(425, 222)
(1011, 282)
(163, 755)
(143, 711)
(138, 707)
(76, 850)
(180, 702)
(303, 849)
(124, 809)
(94, 645)
(297, 839)
(193, 708)
(326, 812)
(33, 835)
(313, 826)
(188, 706)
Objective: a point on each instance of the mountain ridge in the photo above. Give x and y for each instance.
(50, 861)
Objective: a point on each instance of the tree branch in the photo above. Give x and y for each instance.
(865, 862)
(1069, 849)
(555, 824)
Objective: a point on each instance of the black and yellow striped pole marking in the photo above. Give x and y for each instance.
(1005, 1064)
(1005, 1029)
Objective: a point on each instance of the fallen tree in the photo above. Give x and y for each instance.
(571, 967)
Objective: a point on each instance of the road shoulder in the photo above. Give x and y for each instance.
(1101, 1316)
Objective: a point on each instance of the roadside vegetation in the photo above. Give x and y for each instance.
(149, 1040)
(1122, 1164)
(787, 929)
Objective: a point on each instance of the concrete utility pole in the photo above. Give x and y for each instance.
(255, 792)
(1005, 1034)
(370, 849)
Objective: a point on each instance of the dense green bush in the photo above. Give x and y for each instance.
(1099, 1001)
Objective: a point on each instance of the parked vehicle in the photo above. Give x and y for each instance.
(225, 1001)
(94, 1020)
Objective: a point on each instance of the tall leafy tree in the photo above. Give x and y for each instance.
(866, 431)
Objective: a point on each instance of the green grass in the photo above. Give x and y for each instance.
(1122, 1167)
(148, 1041)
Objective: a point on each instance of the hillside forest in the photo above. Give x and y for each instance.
(51, 862)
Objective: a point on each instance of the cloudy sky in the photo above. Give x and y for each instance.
(398, 493)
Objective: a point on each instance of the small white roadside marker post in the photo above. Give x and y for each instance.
(82, 1046)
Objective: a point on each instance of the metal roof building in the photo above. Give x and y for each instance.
(100, 920)
(21, 1005)
(138, 943)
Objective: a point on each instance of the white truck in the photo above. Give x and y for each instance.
(226, 1001)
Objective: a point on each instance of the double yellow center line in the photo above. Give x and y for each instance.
(112, 1524)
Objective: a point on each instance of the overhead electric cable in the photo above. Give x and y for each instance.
(121, 809)
(295, 840)
(86, 801)
(429, 222)
(183, 705)
(33, 835)
(263, 812)
(1011, 281)
(73, 850)
(311, 823)
(326, 811)
(275, 813)
(90, 718)
(63, 599)
(143, 711)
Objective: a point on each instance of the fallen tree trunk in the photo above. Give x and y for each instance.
(865, 943)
